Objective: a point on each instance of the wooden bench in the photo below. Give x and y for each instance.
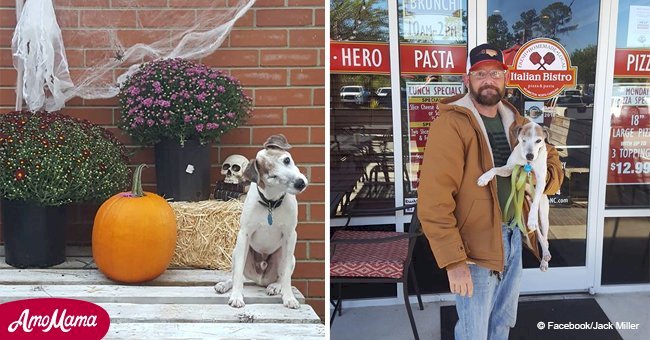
(179, 303)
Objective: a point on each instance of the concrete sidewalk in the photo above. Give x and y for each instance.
(391, 322)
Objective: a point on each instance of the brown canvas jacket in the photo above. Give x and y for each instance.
(462, 220)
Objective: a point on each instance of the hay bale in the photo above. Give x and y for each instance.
(206, 233)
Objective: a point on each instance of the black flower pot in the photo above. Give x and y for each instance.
(174, 179)
(34, 235)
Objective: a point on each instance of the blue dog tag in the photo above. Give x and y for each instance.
(269, 219)
(528, 168)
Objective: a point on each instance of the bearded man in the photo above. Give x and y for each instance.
(469, 236)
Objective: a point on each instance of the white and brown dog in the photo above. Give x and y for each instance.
(530, 150)
(267, 235)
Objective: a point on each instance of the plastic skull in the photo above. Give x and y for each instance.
(233, 168)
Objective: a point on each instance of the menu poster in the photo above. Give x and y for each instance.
(638, 28)
(422, 105)
(629, 144)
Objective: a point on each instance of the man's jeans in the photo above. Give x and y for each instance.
(492, 310)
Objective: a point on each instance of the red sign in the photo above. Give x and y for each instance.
(629, 146)
(359, 57)
(422, 101)
(632, 63)
(52, 318)
(433, 59)
(542, 69)
(369, 57)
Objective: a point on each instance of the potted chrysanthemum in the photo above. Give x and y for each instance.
(48, 160)
(180, 107)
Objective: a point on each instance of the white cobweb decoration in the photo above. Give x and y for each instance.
(39, 53)
(39, 57)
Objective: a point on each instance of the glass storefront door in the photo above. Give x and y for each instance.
(362, 162)
(551, 48)
(433, 44)
(626, 235)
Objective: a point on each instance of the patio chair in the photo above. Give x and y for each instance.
(375, 257)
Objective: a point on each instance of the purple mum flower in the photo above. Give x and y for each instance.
(148, 102)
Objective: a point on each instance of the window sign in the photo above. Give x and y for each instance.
(534, 111)
(373, 58)
(629, 145)
(429, 20)
(632, 63)
(422, 102)
(542, 69)
(359, 57)
(433, 59)
(638, 29)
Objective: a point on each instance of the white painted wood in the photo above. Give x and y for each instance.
(251, 313)
(181, 303)
(171, 277)
(138, 294)
(215, 331)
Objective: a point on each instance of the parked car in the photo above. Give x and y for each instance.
(354, 94)
(572, 102)
(571, 93)
(383, 92)
(384, 98)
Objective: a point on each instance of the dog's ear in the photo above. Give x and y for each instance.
(251, 174)
(547, 133)
(277, 142)
(518, 130)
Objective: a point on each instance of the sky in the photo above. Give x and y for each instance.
(585, 15)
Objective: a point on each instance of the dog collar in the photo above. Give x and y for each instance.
(528, 168)
(270, 205)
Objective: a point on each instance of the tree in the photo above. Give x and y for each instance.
(585, 60)
(498, 33)
(554, 20)
(360, 20)
(527, 27)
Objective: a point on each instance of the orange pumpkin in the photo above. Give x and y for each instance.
(134, 235)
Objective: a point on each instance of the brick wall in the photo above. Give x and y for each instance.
(276, 50)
